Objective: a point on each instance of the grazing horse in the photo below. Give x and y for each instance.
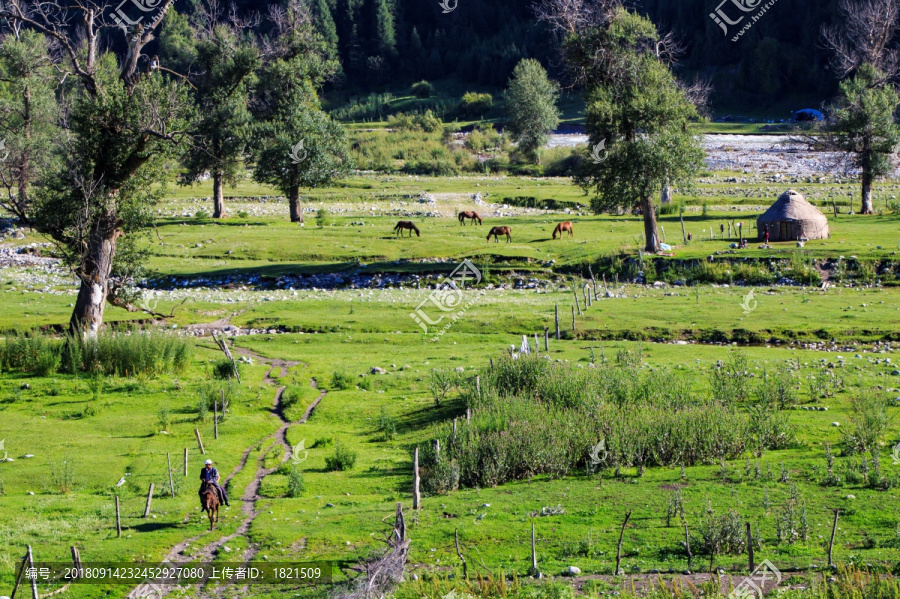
(406, 225)
(562, 227)
(470, 215)
(497, 231)
(210, 497)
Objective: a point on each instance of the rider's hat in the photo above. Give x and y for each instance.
(208, 462)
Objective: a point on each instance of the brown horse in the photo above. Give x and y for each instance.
(497, 231)
(210, 497)
(405, 225)
(562, 227)
(470, 215)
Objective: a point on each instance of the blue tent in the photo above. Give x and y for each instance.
(808, 114)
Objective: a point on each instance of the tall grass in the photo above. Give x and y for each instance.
(534, 417)
(129, 353)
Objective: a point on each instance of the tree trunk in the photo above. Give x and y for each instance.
(25, 163)
(218, 196)
(94, 274)
(868, 206)
(651, 231)
(296, 213)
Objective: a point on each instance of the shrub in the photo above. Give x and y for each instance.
(869, 420)
(387, 426)
(422, 89)
(322, 217)
(323, 442)
(441, 384)
(343, 459)
(425, 121)
(341, 380)
(164, 417)
(474, 104)
(224, 369)
(295, 482)
(201, 214)
(243, 214)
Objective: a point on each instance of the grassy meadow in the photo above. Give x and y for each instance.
(85, 431)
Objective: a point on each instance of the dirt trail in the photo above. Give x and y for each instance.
(251, 493)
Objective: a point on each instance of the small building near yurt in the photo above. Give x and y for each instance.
(792, 218)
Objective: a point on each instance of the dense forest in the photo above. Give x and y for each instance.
(385, 43)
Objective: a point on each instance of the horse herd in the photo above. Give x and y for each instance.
(496, 232)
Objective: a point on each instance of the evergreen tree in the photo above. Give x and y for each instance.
(531, 106)
(325, 26)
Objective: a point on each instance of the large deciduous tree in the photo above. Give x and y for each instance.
(637, 113)
(863, 127)
(121, 122)
(865, 56)
(531, 106)
(227, 61)
(296, 145)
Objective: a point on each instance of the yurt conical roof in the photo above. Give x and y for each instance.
(792, 207)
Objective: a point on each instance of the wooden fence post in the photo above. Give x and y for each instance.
(34, 590)
(437, 448)
(750, 548)
(573, 317)
(621, 536)
(19, 576)
(546, 339)
(76, 559)
(478, 385)
(460, 555)
(169, 470)
(468, 414)
(118, 519)
(454, 432)
(199, 441)
(416, 497)
(575, 293)
(185, 460)
(534, 568)
(536, 344)
(681, 218)
(216, 417)
(149, 499)
(593, 281)
(831, 543)
(687, 545)
(557, 322)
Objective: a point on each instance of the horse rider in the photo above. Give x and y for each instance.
(211, 475)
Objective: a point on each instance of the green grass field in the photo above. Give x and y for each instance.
(85, 436)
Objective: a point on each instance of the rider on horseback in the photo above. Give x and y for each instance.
(211, 475)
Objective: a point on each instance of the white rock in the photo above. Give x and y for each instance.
(572, 571)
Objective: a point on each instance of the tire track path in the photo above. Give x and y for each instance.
(176, 556)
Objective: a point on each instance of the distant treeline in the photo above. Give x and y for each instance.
(381, 41)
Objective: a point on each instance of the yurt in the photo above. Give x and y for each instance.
(792, 218)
